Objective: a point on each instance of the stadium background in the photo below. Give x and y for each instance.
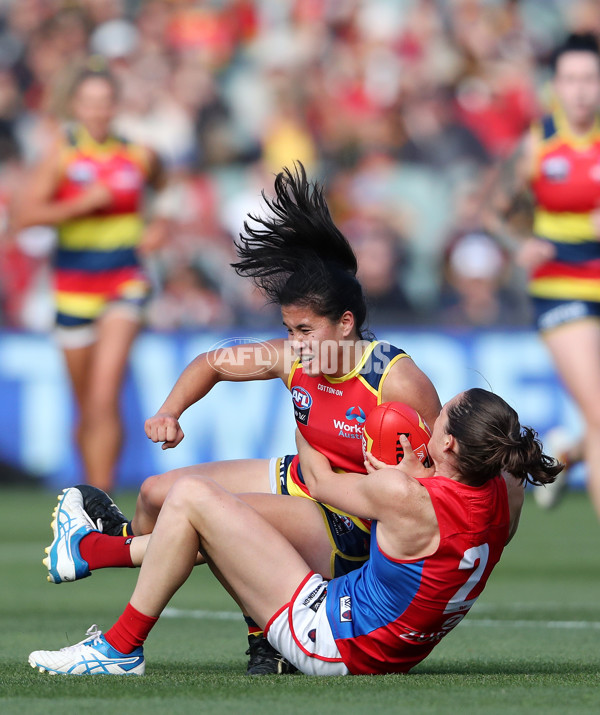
(404, 108)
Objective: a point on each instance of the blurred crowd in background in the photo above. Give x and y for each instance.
(403, 108)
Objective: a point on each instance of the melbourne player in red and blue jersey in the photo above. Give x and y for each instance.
(420, 600)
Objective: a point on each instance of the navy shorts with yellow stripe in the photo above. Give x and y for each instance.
(350, 539)
(550, 313)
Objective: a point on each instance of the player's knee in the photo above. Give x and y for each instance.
(152, 493)
(192, 492)
(97, 409)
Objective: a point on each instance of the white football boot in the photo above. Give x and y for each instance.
(70, 525)
(92, 656)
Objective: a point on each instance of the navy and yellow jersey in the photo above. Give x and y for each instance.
(330, 411)
(566, 187)
(349, 536)
(96, 259)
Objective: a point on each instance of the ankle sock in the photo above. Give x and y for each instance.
(253, 628)
(130, 631)
(102, 551)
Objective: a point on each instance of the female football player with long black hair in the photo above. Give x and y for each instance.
(336, 374)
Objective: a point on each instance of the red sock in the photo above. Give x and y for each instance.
(102, 550)
(130, 631)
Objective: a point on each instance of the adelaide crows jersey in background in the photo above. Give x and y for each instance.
(96, 259)
(331, 411)
(389, 614)
(566, 187)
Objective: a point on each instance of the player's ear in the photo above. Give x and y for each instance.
(449, 443)
(347, 323)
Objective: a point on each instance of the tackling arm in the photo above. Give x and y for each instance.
(239, 363)
(368, 496)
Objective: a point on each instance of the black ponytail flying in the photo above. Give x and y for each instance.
(296, 255)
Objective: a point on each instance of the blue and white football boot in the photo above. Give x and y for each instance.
(92, 656)
(69, 525)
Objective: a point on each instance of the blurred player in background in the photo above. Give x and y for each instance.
(334, 371)
(91, 186)
(437, 535)
(559, 163)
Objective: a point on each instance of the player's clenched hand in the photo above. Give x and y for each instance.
(164, 428)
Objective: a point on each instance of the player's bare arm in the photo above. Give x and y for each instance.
(516, 496)
(239, 363)
(400, 504)
(164, 205)
(36, 206)
(512, 185)
(408, 384)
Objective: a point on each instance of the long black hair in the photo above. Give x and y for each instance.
(491, 439)
(297, 256)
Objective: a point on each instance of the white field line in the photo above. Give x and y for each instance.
(490, 622)
(480, 622)
(201, 615)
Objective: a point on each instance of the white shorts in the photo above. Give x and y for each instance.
(300, 631)
(273, 474)
(82, 336)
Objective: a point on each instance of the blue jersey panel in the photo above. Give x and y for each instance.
(381, 356)
(373, 596)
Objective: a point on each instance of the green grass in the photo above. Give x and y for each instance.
(531, 644)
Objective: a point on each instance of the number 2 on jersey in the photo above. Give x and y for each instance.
(473, 558)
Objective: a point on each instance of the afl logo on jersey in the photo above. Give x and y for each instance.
(302, 400)
(556, 168)
(356, 413)
(82, 172)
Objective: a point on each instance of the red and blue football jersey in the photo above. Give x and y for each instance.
(389, 614)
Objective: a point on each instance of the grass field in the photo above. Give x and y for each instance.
(531, 643)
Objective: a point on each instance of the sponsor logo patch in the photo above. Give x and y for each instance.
(352, 426)
(302, 400)
(341, 524)
(315, 598)
(356, 413)
(345, 609)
